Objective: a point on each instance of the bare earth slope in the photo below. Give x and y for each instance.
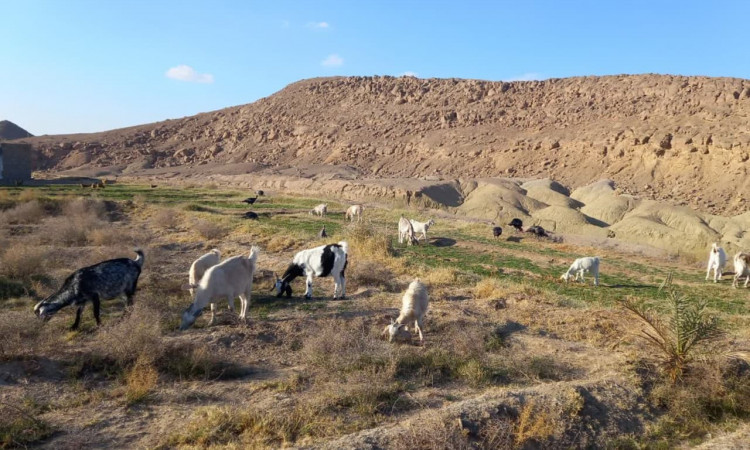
(682, 139)
(9, 130)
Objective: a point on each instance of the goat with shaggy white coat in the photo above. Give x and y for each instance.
(717, 259)
(231, 278)
(422, 227)
(355, 211)
(414, 305)
(406, 232)
(320, 210)
(201, 265)
(580, 266)
(320, 261)
(741, 268)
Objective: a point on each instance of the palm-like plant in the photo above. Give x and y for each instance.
(687, 326)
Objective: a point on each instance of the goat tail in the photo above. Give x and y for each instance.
(254, 252)
(140, 257)
(345, 246)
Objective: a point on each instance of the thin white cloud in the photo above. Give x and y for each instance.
(333, 60)
(319, 25)
(408, 73)
(186, 73)
(531, 76)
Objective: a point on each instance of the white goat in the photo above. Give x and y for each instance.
(406, 232)
(422, 227)
(741, 268)
(201, 265)
(319, 210)
(414, 305)
(355, 210)
(316, 262)
(231, 278)
(582, 265)
(717, 259)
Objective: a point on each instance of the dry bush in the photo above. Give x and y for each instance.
(5, 196)
(140, 380)
(25, 213)
(23, 261)
(167, 218)
(365, 239)
(371, 273)
(435, 432)
(20, 426)
(280, 243)
(64, 231)
(18, 330)
(489, 288)
(441, 277)
(341, 346)
(109, 236)
(27, 195)
(125, 340)
(209, 230)
(194, 362)
(85, 209)
(534, 423)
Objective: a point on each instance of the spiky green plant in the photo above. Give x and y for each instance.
(686, 327)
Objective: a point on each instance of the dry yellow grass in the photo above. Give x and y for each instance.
(140, 380)
(533, 423)
(28, 195)
(23, 261)
(24, 213)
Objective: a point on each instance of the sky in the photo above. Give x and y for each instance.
(74, 66)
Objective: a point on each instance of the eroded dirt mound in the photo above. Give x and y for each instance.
(685, 140)
(9, 130)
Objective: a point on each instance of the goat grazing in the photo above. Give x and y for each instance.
(250, 200)
(580, 266)
(717, 259)
(231, 278)
(517, 224)
(422, 227)
(354, 210)
(537, 231)
(102, 281)
(497, 231)
(250, 215)
(201, 265)
(741, 268)
(320, 210)
(320, 261)
(406, 232)
(413, 307)
(322, 233)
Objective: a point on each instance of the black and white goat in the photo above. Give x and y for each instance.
(102, 281)
(320, 261)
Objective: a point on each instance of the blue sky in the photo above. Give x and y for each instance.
(70, 66)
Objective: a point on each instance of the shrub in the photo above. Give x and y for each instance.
(24, 213)
(676, 339)
(533, 423)
(209, 230)
(85, 209)
(140, 380)
(19, 427)
(370, 273)
(108, 236)
(28, 195)
(124, 341)
(23, 261)
(64, 231)
(167, 218)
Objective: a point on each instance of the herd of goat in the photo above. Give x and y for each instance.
(210, 279)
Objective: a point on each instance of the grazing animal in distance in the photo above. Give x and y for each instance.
(320, 261)
(250, 200)
(153, 186)
(231, 278)
(201, 265)
(422, 227)
(322, 233)
(406, 232)
(103, 281)
(537, 231)
(580, 266)
(320, 210)
(414, 305)
(741, 268)
(354, 211)
(250, 215)
(717, 259)
(517, 224)
(497, 231)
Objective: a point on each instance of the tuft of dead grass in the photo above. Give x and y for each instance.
(167, 218)
(20, 425)
(27, 195)
(22, 261)
(488, 288)
(209, 230)
(280, 243)
(371, 273)
(534, 423)
(30, 212)
(140, 380)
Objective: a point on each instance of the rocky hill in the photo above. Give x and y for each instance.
(685, 140)
(9, 130)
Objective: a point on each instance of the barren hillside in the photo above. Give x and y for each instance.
(681, 139)
(9, 130)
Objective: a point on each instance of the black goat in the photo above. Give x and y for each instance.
(537, 231)
(322, 233)
(497, 231)
(250, 215)
(517, 224)
(103, 281)
(250, 201)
